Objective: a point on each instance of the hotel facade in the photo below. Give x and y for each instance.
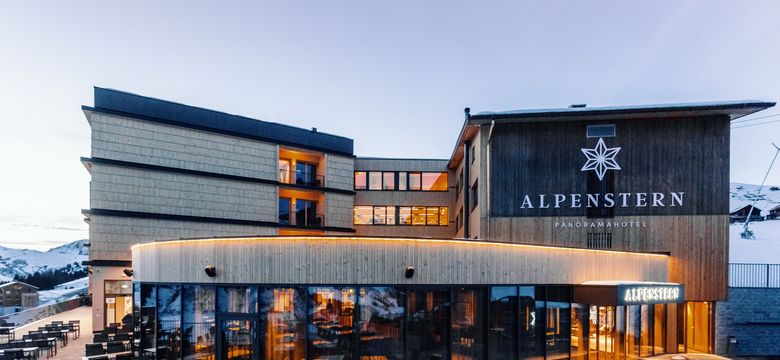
(579, 232)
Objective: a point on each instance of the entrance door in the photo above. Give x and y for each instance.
(238, 338)
(117, 308)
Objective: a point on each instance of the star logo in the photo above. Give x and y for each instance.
(601, 159)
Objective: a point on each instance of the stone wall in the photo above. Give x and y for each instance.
(752, 317)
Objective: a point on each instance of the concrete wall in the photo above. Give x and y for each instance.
(752, 316)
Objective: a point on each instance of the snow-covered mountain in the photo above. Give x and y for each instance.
(66, 258)
(765, 248)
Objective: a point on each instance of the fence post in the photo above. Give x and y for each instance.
(767, 275)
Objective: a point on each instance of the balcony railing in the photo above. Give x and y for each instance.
(301, 178)
(754, 275)
(301, 219)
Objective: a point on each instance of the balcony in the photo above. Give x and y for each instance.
(301, 178)
(303, 219)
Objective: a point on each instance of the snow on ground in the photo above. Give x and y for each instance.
(766, 247)
(764, 250)
(64, 291)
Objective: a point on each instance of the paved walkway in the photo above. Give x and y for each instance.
(75, 348)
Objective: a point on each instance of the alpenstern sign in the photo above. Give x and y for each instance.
(650, 294)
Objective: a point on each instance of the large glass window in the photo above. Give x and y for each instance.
(284, 210)
(388, 181)
(468, 339)
(558, 323)
(362, 215)
(375, 180)
(169, 322)
(148, 322)
(531, 324)
(360, 180)
(659, 331)
(434, 181)
(579, 331)
(332, 312)
(118, 303)
(502, 324)
(283, 311)
(238, 299)
(407, 215)
(428, 322)
(633, 331)
(199, 322)
(646, 337)
(381, 323)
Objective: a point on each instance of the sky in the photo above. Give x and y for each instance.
(393, 75)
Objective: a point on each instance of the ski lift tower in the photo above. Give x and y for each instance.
(747, 233)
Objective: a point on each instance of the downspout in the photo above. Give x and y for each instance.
(466, 185)
(487, 193)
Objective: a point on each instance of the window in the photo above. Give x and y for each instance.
(598, 131)
(473, 154)
(406, 215)
(237, 299)
(402, 181)
(283, 310)
(332, 312)
(360, 180)
(434, 181)
(381, 323)
(474, 195)
(468, 340)
(415, 181)
(169, 315)
(198, 323)
(306, 174)
(362, 215)
(306, 213)
(502, 324)
(375, 180)
(284, 171)
(284, 210)
(388, 181)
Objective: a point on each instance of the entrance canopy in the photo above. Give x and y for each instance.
(618, 293)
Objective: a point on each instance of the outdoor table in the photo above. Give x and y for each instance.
(110, 356)
(29, 351)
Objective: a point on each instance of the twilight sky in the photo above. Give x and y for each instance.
(393, 75)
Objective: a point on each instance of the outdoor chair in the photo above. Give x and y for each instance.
(94, 349)
(124, 357)
(100, 338)
(121, 336)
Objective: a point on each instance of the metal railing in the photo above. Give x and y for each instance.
(301, 178)
(754, 275)
(302, 219)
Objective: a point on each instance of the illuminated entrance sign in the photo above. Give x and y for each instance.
(650, 294)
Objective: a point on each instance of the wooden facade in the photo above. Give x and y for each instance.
(355, 260)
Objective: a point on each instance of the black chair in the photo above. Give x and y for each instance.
(105, 357)
(14, 354)
(6, 357)
(116, 346)
(99, 338)
(121, 337)
(56, 322)
(94, 349)
(124, 357)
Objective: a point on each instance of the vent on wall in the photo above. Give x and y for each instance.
(599, 240)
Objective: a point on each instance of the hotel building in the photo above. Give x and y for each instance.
(557, 233)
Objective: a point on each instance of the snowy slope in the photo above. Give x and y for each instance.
(62, 292)
(766, 247)
(24, 261)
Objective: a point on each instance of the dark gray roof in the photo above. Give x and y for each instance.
(146, 108)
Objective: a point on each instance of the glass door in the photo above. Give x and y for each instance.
(238, 338)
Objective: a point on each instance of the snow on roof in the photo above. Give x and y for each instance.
(670, 106)
(17, 282)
